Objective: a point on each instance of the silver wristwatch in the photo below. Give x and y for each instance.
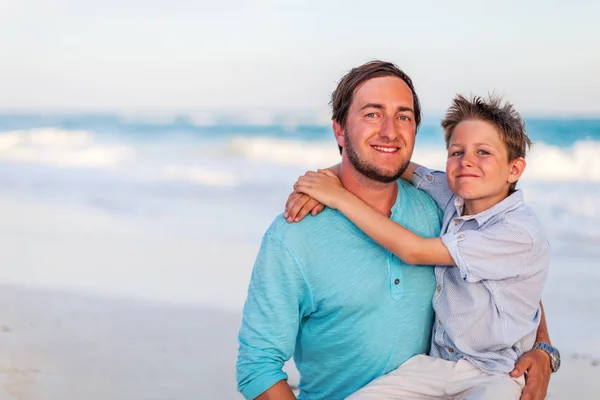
(552, 352)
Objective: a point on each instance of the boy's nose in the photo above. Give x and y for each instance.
(467, 161)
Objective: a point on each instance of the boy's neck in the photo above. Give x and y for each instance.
(476, 206)
(380, 196)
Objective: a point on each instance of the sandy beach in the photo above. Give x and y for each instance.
(96, 305)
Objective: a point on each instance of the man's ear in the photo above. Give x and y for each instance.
(338, 131)
(517, 166)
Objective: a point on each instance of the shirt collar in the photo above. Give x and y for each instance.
(511, 202)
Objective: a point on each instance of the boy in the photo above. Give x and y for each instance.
(492, 258)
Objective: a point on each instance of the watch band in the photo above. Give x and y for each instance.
(552, 352)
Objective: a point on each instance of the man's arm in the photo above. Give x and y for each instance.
(279, 391)
(536, 363)
(278, 298)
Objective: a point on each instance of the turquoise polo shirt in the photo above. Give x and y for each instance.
(345, 308)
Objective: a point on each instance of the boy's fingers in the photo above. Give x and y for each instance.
(328, 172)
(317, 209)
(306, 208)
(296, 206)
(290, 200)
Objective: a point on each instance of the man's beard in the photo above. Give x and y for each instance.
(369, 170)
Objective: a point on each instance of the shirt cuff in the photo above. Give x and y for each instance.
(451, 241)
(262, 383)
(422, 176)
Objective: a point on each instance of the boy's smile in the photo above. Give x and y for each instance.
(478, 169)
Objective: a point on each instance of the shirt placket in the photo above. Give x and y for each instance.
(455, 225)
(395, 277)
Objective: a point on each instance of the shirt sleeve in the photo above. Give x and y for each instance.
(501, 251)
(278, 297)
(434, 183)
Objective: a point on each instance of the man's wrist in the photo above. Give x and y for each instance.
(552, 352)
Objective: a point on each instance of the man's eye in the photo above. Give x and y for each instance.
(404, 118)
(371, 115)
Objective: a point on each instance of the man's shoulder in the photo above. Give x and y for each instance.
(417, 210)
(416, 196)
(305, 230)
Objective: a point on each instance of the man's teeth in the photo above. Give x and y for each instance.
(386, 149)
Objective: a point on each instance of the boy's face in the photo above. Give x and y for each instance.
(478, 169)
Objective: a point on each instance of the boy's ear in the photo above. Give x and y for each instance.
(338, 131)
(517, 166)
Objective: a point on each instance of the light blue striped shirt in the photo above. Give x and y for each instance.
(348, 310)
(487, 307)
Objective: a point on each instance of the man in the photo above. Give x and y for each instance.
(321, 290)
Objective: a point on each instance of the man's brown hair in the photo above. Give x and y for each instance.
(343, 95)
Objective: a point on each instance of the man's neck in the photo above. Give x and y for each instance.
(380, 196)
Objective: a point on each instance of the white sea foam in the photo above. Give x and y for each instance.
(285, 151)
(199, 175)
(581, 162)
(61, 148)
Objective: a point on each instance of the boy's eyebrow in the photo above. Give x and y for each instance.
(381, 107)
(476, 144)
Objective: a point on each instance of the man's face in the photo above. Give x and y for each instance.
(379, 136)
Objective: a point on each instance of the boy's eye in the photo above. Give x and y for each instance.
(483, 152)
(456, 153)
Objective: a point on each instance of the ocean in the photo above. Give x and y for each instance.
(218, 183)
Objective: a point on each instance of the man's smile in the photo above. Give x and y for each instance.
(386, 149)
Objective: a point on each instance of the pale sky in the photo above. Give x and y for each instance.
(149, 54)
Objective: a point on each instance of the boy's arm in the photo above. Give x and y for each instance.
(278, 297)
(326, 188)
(408, 246)
(298, 205)
(407, 175)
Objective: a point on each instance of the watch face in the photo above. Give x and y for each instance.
(555, 360)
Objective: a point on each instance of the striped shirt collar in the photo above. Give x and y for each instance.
(509, 203)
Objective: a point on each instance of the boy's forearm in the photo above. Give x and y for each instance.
(408, 246)
(279, 391)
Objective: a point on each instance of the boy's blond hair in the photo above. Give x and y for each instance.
(501, 114)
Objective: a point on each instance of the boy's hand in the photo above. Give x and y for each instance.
(537, 365)
(299, 205)
(323, 186)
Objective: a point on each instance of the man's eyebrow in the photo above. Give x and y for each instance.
(381, 107)
(372, 105)
(405, 108)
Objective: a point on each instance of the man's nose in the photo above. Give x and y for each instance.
(388, 129)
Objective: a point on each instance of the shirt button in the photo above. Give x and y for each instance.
(438, 288)
(450, 350)
(397, 281)
(456, 221)
(429, 177)
(461, 236)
